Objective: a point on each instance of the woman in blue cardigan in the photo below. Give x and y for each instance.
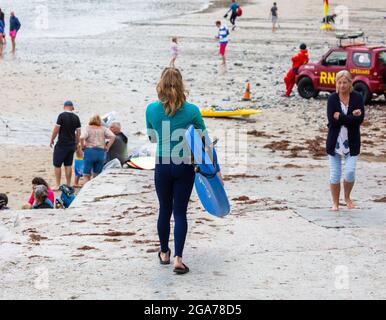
(345, 112)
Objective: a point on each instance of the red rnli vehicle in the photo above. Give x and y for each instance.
(367, 65)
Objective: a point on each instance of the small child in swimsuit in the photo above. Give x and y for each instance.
(174, 51)
(79, 164)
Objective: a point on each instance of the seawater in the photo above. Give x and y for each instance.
(67, 18)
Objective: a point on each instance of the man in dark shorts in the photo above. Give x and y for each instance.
(68, 128)
(274, 16)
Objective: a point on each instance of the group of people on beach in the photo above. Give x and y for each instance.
(42, 196)
(93, 146)
(174, 174)
(345, 114)
(174, 182)
(174, 179)
(223, 31)
(14, 27)
(236, 11)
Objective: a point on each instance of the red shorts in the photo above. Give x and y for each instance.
(222, 48)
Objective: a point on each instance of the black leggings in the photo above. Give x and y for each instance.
(233, 18)
(174, 184)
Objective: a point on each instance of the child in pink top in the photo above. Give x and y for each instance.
(174, 51)
(35, 182)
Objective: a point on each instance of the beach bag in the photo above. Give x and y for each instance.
(67, 196)
(239, 12)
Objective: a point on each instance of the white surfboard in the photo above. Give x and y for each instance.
(145, 163)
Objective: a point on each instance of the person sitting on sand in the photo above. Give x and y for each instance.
(345, 112)
(118, 149)
(3, 201)
(36, 182)
(174, 51)
(93, 140)
(41, 198)
(78, 165)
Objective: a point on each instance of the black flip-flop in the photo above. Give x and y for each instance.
(160, 259)
(181, 270)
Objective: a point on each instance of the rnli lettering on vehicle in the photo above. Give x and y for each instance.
(360, 71)
(327, 78)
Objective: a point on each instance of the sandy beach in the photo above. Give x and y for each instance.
(286, 172)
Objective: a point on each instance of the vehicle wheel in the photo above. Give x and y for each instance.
(364, 91)
(306, 88)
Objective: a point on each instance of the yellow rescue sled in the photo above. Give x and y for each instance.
(216, 112)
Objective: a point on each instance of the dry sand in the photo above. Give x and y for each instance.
(287, 166)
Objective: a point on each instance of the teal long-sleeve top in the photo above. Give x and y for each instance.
(169, 132)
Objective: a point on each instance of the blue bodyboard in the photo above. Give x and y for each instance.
(208, 186)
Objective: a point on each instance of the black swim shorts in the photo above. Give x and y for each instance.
(63, 155)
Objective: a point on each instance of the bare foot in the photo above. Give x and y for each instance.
(178, 263)
(165, 256)
(334, 207)
(350, 204)
(56, 188)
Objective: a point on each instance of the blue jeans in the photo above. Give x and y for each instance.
(336, 168)
(174, 184)
(93, 161)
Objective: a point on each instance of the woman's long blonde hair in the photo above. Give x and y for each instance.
(171, 91)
